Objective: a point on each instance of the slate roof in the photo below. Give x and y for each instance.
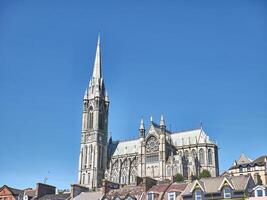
(193, 136)
(133, 191)
(260, 161)
(89, 195)
(14, 191)
(212, 184)
(30, 193)
(55, 197)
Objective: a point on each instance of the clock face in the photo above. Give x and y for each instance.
(152, 145)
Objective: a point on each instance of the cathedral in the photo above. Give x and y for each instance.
(156, 152)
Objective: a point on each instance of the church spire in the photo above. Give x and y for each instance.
(97, 66)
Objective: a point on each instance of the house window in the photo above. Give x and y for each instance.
(150, 196)
(240, 169)
(171, 196)
(227, 193)
(259, 193)
(198, 195)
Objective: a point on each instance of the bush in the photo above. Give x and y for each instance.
(204, 174)
(178, 178)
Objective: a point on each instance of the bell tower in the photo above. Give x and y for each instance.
(93, 151)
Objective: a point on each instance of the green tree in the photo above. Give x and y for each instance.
(178, 178)
(204, 174)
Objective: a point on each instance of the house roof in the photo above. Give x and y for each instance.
(213, 184)
(14, 191)
(133, 191)
(245, 161)
(89, 195)
(55, 197)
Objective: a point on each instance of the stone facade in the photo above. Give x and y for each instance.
(157, 152)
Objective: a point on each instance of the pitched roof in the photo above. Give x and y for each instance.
(55, 197)
(125, 147)
(14, 191)
(89, 195)
(243, 159)
(212, 184)
(133, 191)
(194, 136)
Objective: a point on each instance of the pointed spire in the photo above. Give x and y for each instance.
(151, 118)
(142, 124)
(97, 66)
(162, 122)
(85, 94)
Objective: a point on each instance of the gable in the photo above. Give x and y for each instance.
(4, 191)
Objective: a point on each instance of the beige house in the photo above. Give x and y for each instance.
(257, 168)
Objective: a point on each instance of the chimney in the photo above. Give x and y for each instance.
(77, 189)
(44, 189)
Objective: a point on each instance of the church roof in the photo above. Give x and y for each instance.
(125, 147)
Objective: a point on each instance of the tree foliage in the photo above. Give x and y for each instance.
(179, 178)
(204, 174)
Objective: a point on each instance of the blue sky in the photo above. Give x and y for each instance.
(192, 61)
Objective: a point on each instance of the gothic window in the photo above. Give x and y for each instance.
(85, 156)
(201, 156)
(81, 158)
(124, 177)
(133, 175)
(186, 154)
(83, 179)
(101, 120)
(152, 145)
(90, 155)
(152, 158)
(210, 156)
(194, 153)
(91, 117)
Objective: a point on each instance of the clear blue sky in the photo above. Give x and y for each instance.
(190, 60)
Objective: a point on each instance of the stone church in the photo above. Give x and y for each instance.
(156, 152)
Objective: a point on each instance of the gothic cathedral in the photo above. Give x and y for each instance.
(157, 152)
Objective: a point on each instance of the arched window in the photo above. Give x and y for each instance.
(91, 117)
(210, 157)
(81, 158)
(194, 153)
(201, 156)
(83, 179)
(85, 156)
(186, 154)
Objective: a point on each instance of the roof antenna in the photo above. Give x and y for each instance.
(46, 178)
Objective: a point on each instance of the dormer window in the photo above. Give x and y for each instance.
(150, 196)
(198, 195)
(171, 196)
(227, 193)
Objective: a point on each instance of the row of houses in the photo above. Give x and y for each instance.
(245, 179)
(224, 187)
